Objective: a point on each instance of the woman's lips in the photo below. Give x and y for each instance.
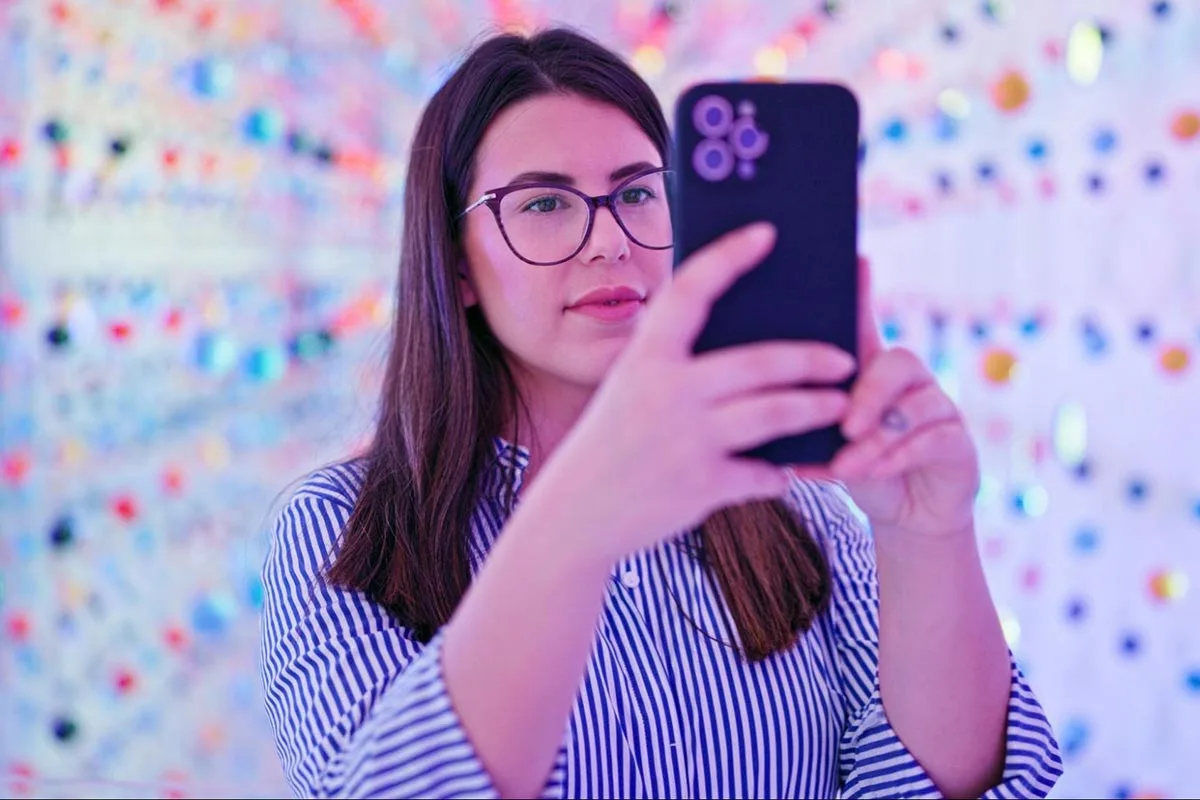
(610, 311)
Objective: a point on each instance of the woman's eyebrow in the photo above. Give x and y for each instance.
(538, 176)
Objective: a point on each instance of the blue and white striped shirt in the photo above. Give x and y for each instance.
(360, 708)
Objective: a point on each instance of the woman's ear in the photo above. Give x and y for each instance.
(466, 290)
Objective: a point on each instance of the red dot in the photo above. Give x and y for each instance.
(125, 681)
(10, 151)
(120, 331)
(15, 467)
(18, 626)
(60, 12)
(174, 319)
(125, 507)
(173, 480)
(206, 17)
(11, 312)
(170, 158)
(175, 637)
(62, 158)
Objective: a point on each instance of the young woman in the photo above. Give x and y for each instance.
(549, 575)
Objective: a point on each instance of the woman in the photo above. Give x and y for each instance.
(549, 576)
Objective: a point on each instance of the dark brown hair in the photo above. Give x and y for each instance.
(448, 391)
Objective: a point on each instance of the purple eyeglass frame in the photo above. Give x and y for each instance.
(492, 198)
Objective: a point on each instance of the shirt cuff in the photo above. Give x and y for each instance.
(877, 764)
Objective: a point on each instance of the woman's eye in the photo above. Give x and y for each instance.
(544, 205)
(635, 195)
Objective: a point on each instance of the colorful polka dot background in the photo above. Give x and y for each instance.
(199, 208)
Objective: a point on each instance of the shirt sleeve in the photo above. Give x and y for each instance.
(359, 708)
(873, 762)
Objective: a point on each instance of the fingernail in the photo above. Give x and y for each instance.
(761, 230)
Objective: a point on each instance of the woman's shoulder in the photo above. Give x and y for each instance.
(315, 508)
(338, 483)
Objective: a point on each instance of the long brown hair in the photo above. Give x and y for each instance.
(448, 391)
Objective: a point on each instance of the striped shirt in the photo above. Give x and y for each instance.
(667, 708)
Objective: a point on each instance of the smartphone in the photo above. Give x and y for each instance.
(787, 153)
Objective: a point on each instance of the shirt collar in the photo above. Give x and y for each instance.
(510, 465)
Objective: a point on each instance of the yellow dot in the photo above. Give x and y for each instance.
(1011, 92)
(649, 60)
(1168, 585)
(215, 452)
(72, 453)
(771, 62)
(1185, 126)
(999, 365)
(1174, 358)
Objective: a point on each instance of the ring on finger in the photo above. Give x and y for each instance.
(894, 420)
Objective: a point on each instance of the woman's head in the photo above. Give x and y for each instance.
(553, 104)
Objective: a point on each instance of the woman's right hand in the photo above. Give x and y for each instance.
(653, 453)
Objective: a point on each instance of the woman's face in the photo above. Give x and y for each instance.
(541, 314)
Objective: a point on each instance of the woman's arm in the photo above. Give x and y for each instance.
(515, 651)
(943, 662)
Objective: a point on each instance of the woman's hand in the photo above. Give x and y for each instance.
(911, 465)
(653, 453)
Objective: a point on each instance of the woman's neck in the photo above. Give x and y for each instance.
(551, 409)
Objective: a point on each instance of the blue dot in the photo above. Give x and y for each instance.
(1076, 610)
(1191, 681)
(950, 33)
(986, 170)
(1161, 9)
(1137, 490)
(890, 330)
(1106, 34)
(1145, 332)
(1094, 340)
(1122, 791)
(1196, 508)
(1086, 540)
(1095, 183)
(1037, 149)
(945, 183)
(895, 130)
(1154, 172)
(1074, 737)
(1031, 326)
(1105, 141)
(979, 330)
(1131, 644)
(945, 127)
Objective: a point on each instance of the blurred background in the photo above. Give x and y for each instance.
(199, 219)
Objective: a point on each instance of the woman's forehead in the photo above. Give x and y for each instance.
(567, 134)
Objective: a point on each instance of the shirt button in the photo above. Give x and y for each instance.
(631, 579)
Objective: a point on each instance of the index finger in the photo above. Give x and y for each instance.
(682, 308)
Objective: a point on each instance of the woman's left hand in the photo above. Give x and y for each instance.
(910, 463)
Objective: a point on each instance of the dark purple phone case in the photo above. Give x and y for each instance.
(805, 181)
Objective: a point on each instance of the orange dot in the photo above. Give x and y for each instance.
(1174, 358)
(1011, 92)
(999, 365)
(1185, 126)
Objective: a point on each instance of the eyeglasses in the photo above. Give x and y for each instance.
(549, 223)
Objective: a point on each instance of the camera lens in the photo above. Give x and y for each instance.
(713, 160)
(712, 115)
(748, 141)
